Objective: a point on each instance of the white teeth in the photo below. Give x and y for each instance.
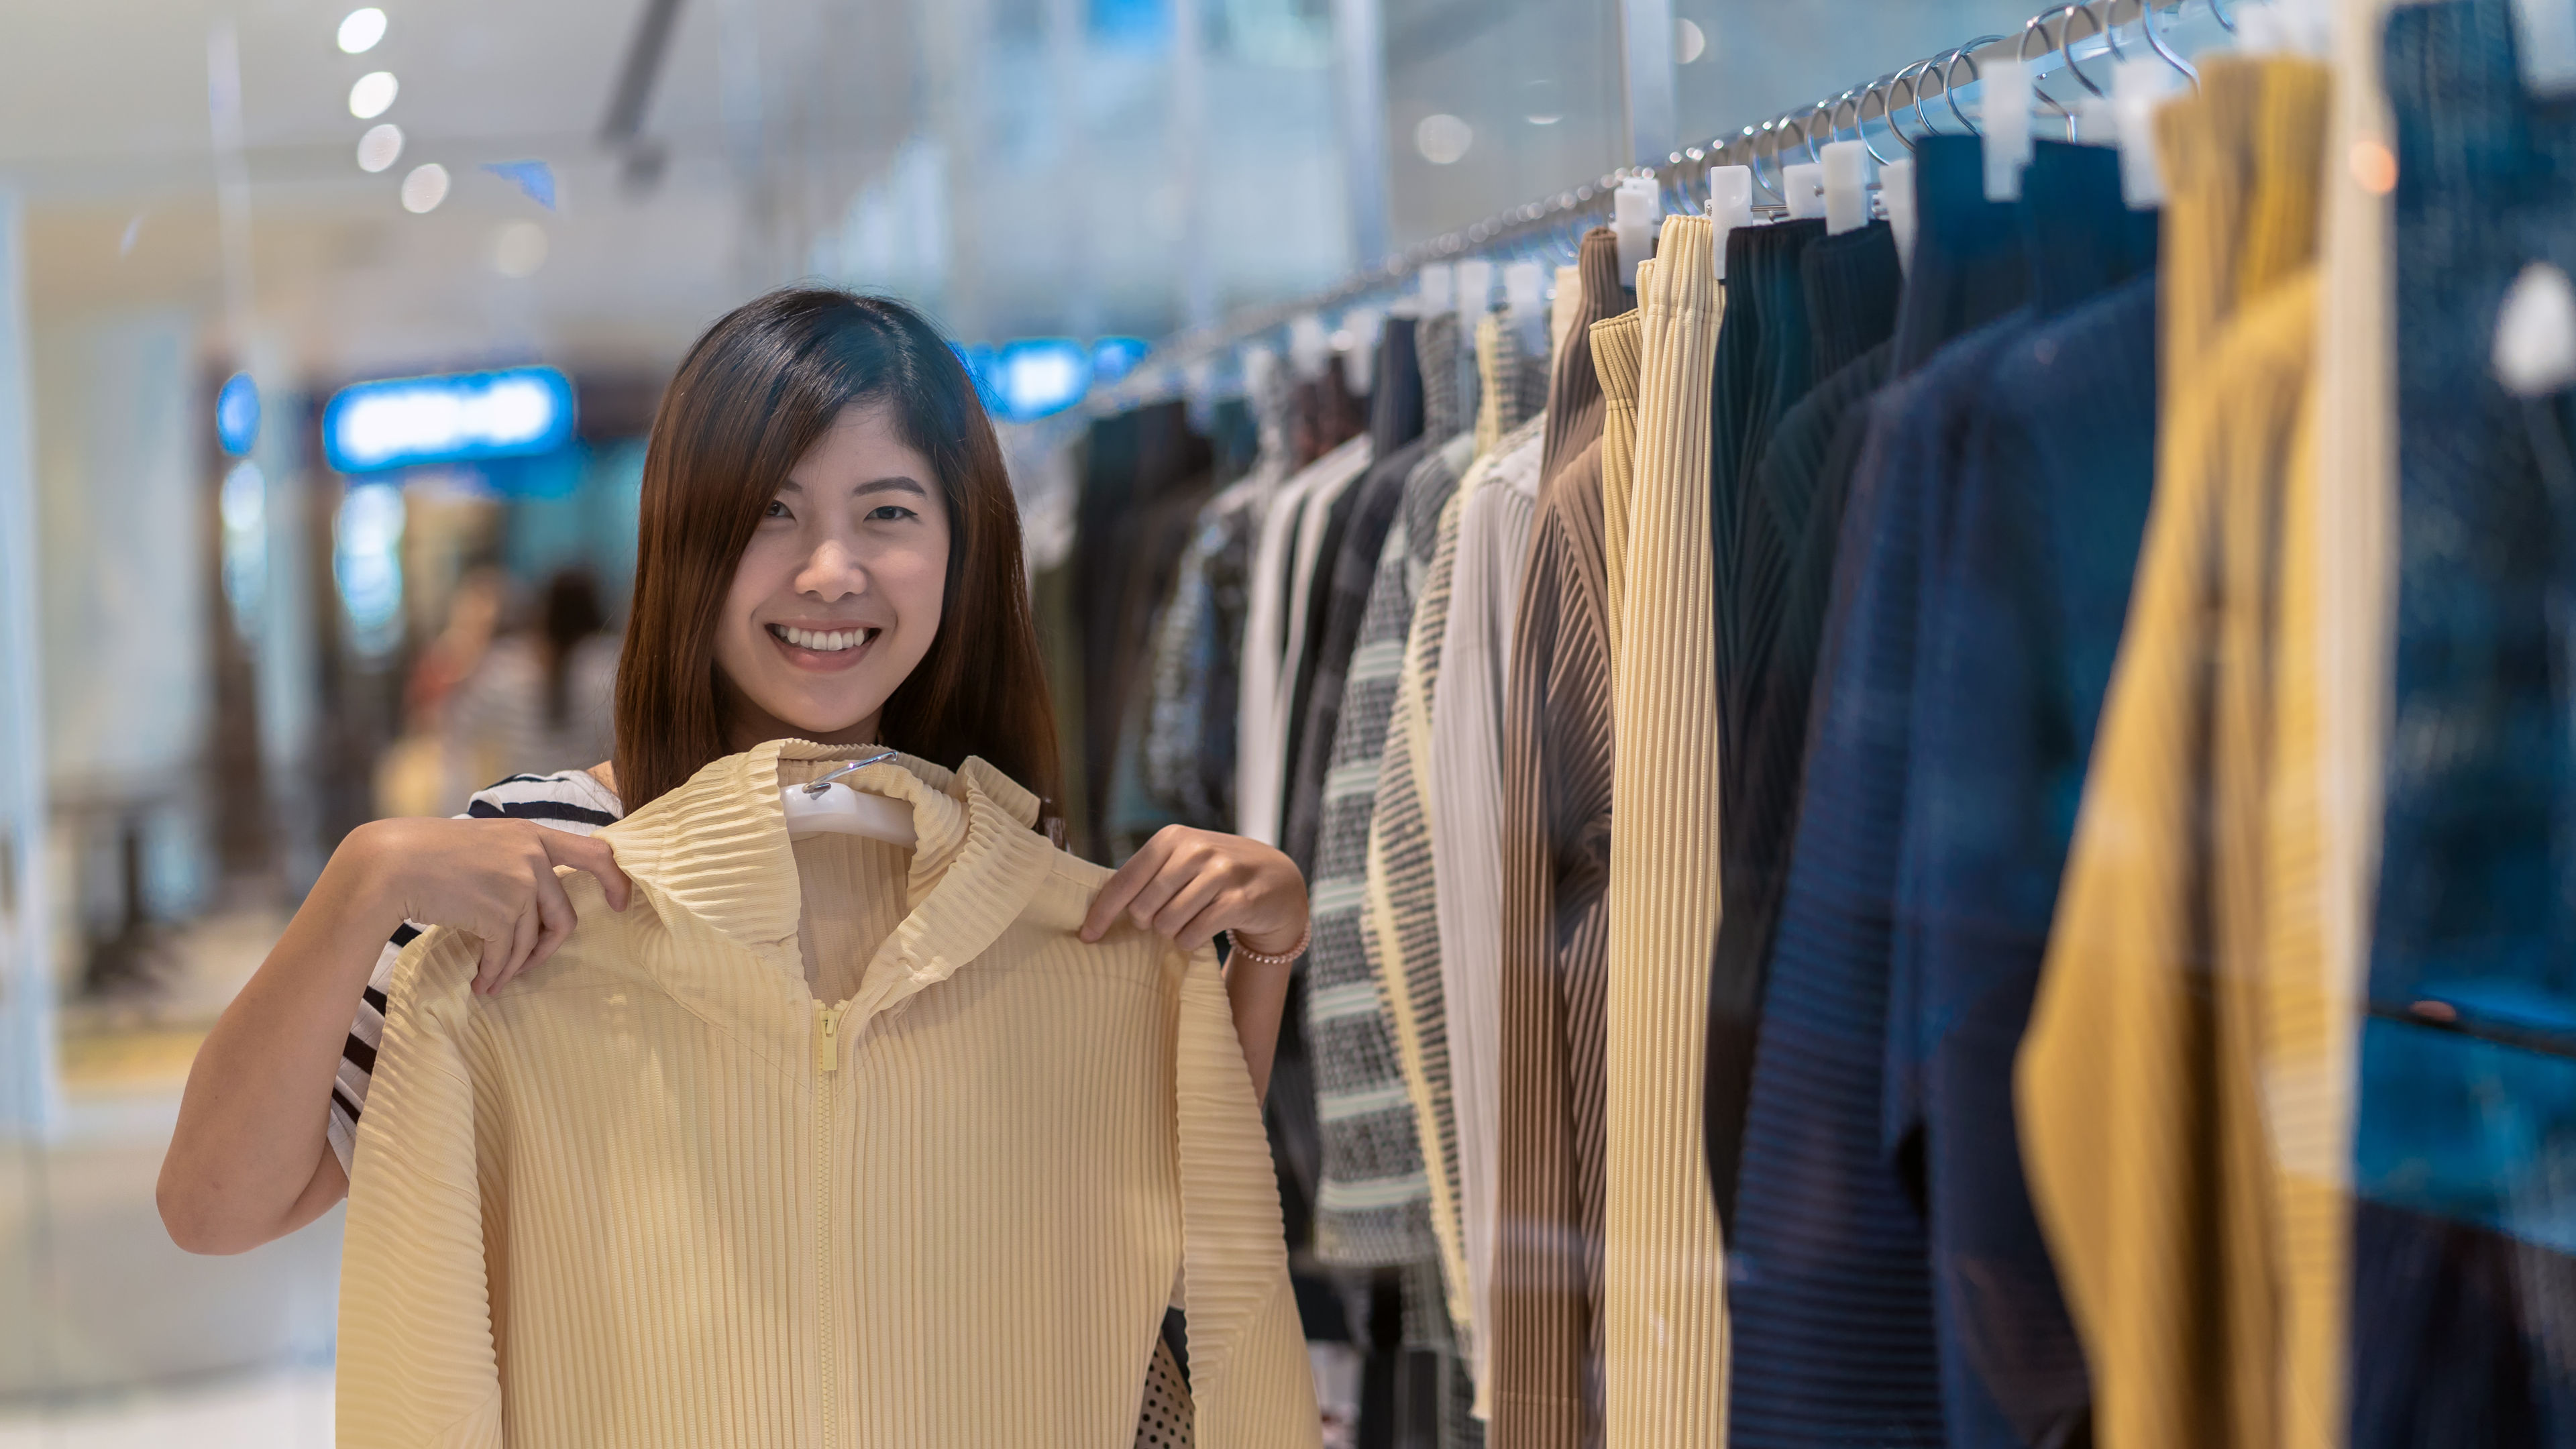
(824, 642)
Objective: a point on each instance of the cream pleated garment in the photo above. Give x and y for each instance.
(657, 1191)
(1664, 1377)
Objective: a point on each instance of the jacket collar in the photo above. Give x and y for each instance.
(716, 849)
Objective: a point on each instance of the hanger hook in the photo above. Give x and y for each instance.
(1886, 113)
(1769, 128)
(1950, 87)
(2219, 9)
(820, 783)
(1834, 117)
(2163, 47)
(1913, 102)
(2066, 44)
(2038, 24)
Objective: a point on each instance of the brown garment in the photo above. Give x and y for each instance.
(1547, 1326)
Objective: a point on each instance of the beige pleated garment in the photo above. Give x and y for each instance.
(1616, 357)
(659, 1191)
(1664, 1378)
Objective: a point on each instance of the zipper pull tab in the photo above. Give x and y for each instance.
(827, 1039)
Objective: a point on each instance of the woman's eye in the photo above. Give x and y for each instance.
(776, 509)
(889, 512)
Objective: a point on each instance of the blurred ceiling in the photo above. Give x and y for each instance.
(105, 132)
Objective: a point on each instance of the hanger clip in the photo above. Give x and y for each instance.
(1847, 167)
(1730, 205)
(1635, 208)
(2544, 41)
(1896, 190)
(1804, 185)
(2004, 108)
(2535, 338)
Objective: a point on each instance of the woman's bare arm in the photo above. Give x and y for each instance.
(251, 1160)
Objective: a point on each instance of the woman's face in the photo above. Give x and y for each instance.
(838, 595)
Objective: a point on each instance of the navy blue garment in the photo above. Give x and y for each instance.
(1968, 270)
(2465, 1147)
(2022, 618)
(1769, 600)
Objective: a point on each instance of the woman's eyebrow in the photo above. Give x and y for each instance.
(899, 483)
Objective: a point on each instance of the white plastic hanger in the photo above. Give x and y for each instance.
(825, 806)
(2004, 107)
(1847, 166)
(1636, 209)
(1730, 205)
(1804, 186)
(1896, 193)
(2544, 34)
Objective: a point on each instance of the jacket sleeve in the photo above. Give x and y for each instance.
(417, 1365)
(1248, 1370)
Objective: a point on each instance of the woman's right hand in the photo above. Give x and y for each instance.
(492, 879)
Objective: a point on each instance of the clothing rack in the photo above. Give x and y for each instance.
(2061, 46)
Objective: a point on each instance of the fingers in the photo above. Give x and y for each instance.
(1188, 903)
(584, 853)
(1140, 870)
(555, 918)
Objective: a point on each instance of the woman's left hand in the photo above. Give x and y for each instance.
(1186, 885)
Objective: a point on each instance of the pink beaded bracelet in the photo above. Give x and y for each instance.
(1264, 958)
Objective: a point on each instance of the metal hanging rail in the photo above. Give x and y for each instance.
(1682, 176)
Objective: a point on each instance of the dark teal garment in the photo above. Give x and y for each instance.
(2465, 1150)
(1766, 628)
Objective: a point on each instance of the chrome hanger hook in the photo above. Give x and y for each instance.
(2163, 47)
(1950, 86)
(821, 783)
(2219, 9)
(2039, 24)
(2066, 44)
(1754, 160)
(1886, 113)
(1909, 77)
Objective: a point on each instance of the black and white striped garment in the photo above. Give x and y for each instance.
(572, 800)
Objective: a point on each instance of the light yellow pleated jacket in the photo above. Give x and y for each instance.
(661, 1191)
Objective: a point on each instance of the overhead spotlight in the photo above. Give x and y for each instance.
(424, 188)
(518, 249)
(380, 147)
(361, 29)
(372, 93)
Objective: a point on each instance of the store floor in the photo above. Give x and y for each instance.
(109, 1334)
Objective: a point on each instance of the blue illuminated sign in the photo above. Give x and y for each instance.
(1114, 357)
(237, 414)
(403, 422)
(1040, 375)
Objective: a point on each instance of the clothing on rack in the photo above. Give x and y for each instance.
(1547, 1311)
(2467, 1110)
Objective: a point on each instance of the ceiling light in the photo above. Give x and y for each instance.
(1443, 138)
(373, 92)
(1689, 41)
(361, 29)
(424, 188)
(518, 249)
(380, 147)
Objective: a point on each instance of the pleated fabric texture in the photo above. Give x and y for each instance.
(1499, 494)
(1834, 1334)
(1399, 922)
(1616, 359)
(1664, 1371)
(2141, 1085)
(1555, 857)
(2465, 1241)
(2334, 714)
(1849, 285)
(644, 1195)
(2025, 599)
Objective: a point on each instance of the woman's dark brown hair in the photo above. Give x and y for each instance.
(756, 392)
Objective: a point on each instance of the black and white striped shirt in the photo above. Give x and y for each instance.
(572, 800)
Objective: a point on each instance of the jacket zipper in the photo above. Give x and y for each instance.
(827, 1061)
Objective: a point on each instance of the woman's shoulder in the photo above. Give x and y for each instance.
(574, 800)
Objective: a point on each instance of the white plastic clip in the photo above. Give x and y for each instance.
(1896, 188)
(1635, 210)
(2004, 105)
(1436, 288)
(1847, 166)
(1310, 347)
(1803, 185)
(2138, 86)
(1730, 205)
(1475, 292)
